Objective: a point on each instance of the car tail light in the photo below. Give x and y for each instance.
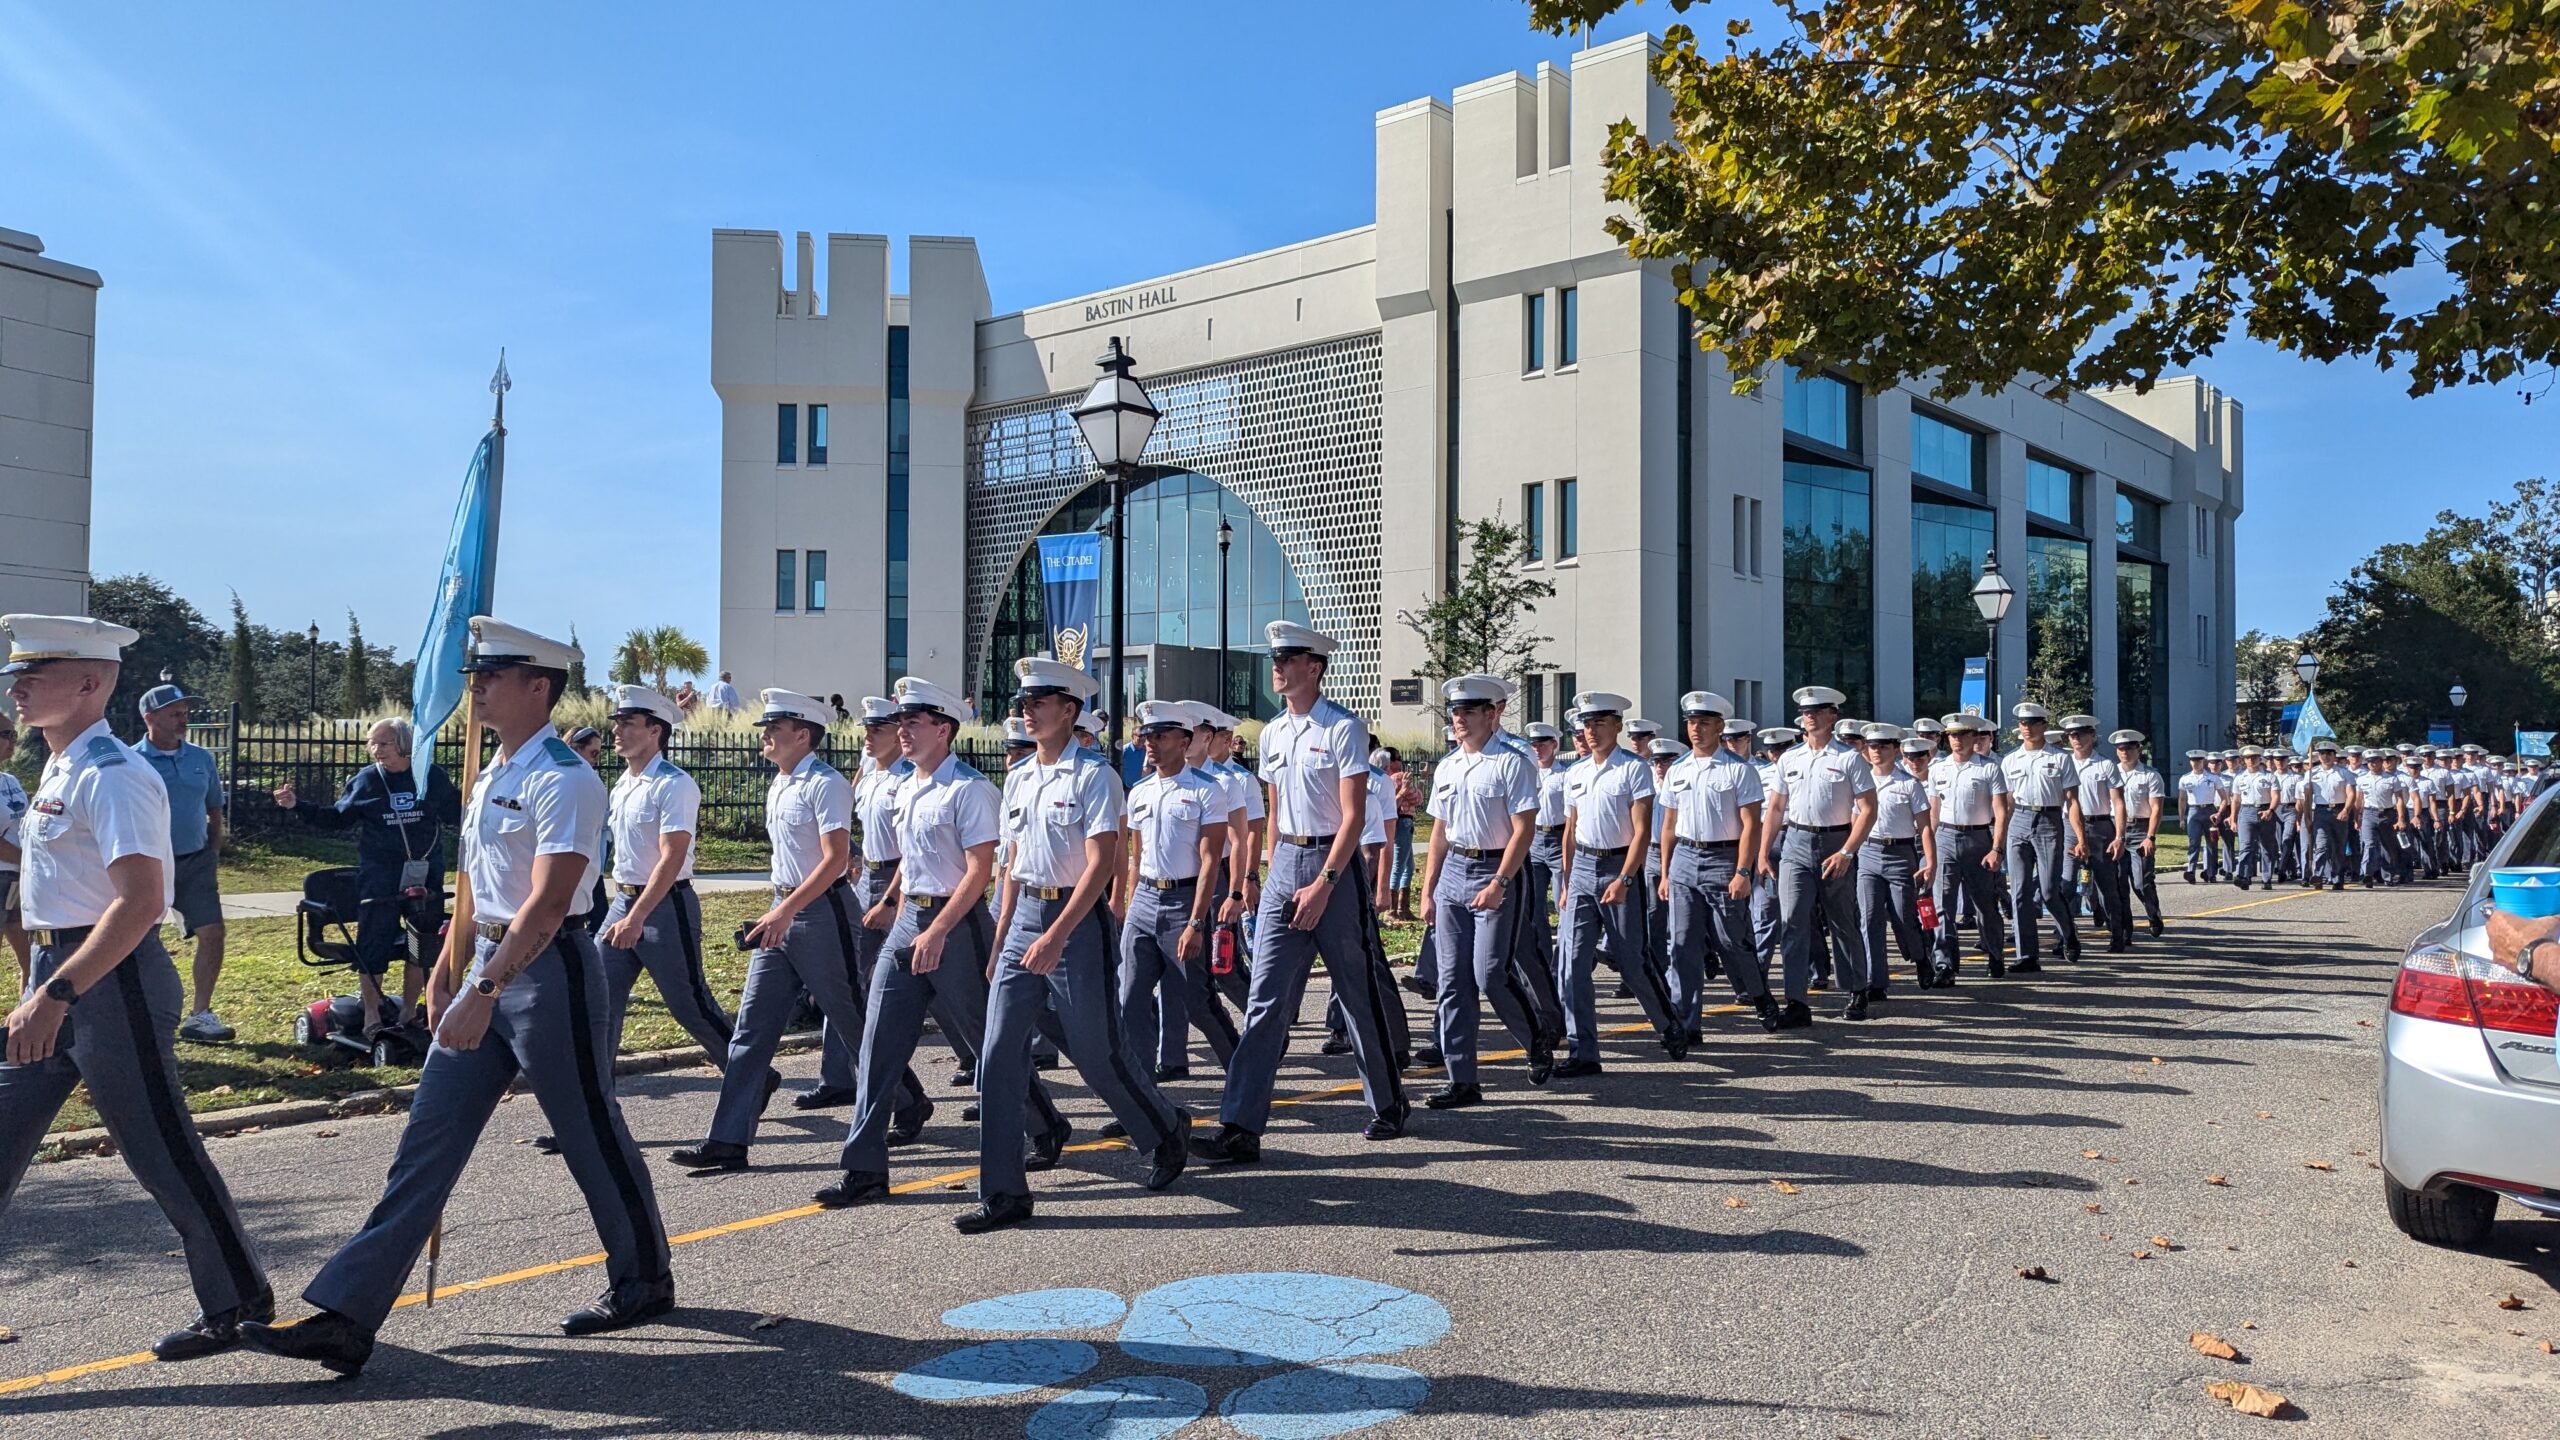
(2439, 983)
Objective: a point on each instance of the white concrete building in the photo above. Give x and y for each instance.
(888, 459)
(48, 345)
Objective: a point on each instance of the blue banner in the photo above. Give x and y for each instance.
(2310, 725)
(462, 591)
(2439, 733)
(1071, 594)
(2536, 743)
(1969, 698)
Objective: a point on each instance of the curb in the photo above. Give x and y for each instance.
(247, 1119)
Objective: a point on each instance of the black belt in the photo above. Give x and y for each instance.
(1708, 844)
(2324, 807)
(839, 883)
(1599, 855)
(1557, 830)
(878, 867)
(1473, 853)
(1967, 829)
(1310, 842)
(927, 902)
(632, 892)
(1893, 840)
(1048, 892)
(65, 935)
(1819, 829)
(495, 931)
(1154, 883)
(2039, 809)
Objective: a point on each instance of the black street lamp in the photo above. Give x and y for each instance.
(2457, 695)
(1226, 537)
(1991, 597)
(2307, 666)
(1115, 419)
(313, 650)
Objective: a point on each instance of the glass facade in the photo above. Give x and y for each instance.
(1568, 519)
(1173, 591)
(1823, 408)
(1830, 580)
(786, 435)
(815, 563)
(2054, 493)
(1568, 327)
(817, 434)
(2142, 650)
(2138, 521)
(786, 581)
(1947, 545)
(1948, 454)
(2057, 596)
(894, 626)
(1533, 331)
(1533, 522)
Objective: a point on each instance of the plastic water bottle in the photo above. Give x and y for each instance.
(1928, 913)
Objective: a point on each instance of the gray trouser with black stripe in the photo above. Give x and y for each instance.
(1889, 899)
(1086, 998)
(1151, 966)
(1473, 952)
(2112, 907)
(670, 950)
(1802, 893)
(1707, 921)
(1587, 923)
(1965, 883)
(816, 958)
(1533, 965)
(835, 1052)
(2040, 873)
(2254, 847)
(552, 1026)
(1283, 958)
(116, 1040)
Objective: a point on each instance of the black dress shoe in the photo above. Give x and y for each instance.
(992, 1213)
(1043, 1061)
(1173, 1152)
(1542, 1065)
(1767, 1007)
(1428, 1055)
(1114, 1130)
(907, 1126)
(328, 1338)
(964, 1079)
(1454, 1097)
(215, 1333)
(1675, 1041)
(547, 1144)
(1943, 979)
(858, 1187)
(2029, 966)
(1165, 1074)
(1232, 1145)
(1998, 967)
(1576, 1069)
(1796, 1016)
(1335, 1045)
(1821, 982)
(1856, 1009)
(2119, 945)
(1386, 1124)
(617, 1309)
(2155, 925)
(825, 1097)
(969, 1113)
(710, 1157)
(772, 1083)
(1047, 1148)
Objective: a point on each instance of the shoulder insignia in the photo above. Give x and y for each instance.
(560, 753)
(107, 750)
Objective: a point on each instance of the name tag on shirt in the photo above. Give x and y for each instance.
(506, 802)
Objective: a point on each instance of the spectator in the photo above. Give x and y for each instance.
(687, 699)
(196, 801)
(724, 696)
(588, 741)
(13, 810)
(1409, 797)
(838, 702)
(399, 872)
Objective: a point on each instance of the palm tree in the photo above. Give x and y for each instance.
(664, 650)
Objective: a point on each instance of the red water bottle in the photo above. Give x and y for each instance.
(1928, 913)
(1222, 954)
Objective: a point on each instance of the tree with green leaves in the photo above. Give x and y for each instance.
(355, 677)
(577, 667)
(2523, 531)
(1480, 625)
(2415, 619)
(2262, 668)
(664, 650)
(176, 640)
(2095, 192)
(244, 661)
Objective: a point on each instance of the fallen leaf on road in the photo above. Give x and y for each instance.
(2208, 1343)
(2156, 1060)
(1783, 1188)
(2248, 1399)
(2318, 1165)
(2095, 1209)
(2248, 1324)
(2217, 1179)
(1733, 1202)
(2129, 1180)
(2141, 1254)
(326, 1134)
(956, 1185)
(8, 1336)
(2034, 1272)
(2516, 1333)
(2162, 1241)
(2511, 1302)
(766, 1322)
(2542, 1345)
(524, 1140)
(2266, 1114)
(2092, 1155)
(2346, 1264)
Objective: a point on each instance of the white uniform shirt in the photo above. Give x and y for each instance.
(1902, 804)
(2442, 779)
(2378, 789)
(2099, 782)
(874, 800)
(2142, 785)
(1306, 758)
(1166, 815)
(799, 807)
(1551, 794)
(2256, 788)
(542, 800)
(1603, 791)
(1821, 787)
(1051, 810)
(1708, 793)
(1380, 818)
(2200, 790)
(1965, 788)
(1474, 796)
(2290, 784)
(96, 803)
(939, 818)
(13, 814)
(660, 800)
(1243, 790)
(2039, 779)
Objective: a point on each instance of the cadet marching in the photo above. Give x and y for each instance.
(1061, 907)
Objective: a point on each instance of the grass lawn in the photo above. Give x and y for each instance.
(278, 859)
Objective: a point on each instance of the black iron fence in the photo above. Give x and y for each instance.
(317, 756)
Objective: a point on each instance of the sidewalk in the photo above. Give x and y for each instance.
(275, 903)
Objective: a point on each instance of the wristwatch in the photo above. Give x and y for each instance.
(2524, 957)
(60, 989)
(487, 986)
(1329, 874)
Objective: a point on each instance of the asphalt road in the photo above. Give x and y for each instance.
(1613, 1257)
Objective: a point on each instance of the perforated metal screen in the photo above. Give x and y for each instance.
(1294, 434)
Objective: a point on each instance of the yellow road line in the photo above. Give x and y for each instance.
(2254, 904)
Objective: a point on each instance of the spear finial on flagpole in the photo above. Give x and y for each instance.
(499, 385)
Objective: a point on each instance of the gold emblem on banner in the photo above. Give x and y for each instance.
(1070, 645)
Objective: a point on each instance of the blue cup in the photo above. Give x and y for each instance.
(2530, 892)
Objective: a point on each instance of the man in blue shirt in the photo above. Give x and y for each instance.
(196, 803)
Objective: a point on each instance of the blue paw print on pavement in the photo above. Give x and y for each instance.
(1321, 1329)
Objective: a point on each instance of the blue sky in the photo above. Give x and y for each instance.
(318, 224)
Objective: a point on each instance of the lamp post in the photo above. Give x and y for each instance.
(1226, 537)
(1992, 595)
(2457, 695)
(2307, 666)
(312, 650)
(1115, 419)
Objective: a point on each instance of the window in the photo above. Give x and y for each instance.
(1948, 454)
(786, 586)
(816, 566)
(1741, 535)
(1533, 330)
(2204, 533)
(1947, 545)
(2057, 596)
(1537, 688)
(1830, 579)
(1568, 685)
(2142, 648)
(2204, 640)
(1568, 328)
(2053, 492)
(1823, 409)
(1757, 569)
(786, 435)
(817, 434)
(2138, 521)
(1568, 520)
(1533, 523)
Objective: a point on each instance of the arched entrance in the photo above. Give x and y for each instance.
(1173, 594)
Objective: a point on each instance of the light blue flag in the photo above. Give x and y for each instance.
(462, 591)
(2310, 725)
